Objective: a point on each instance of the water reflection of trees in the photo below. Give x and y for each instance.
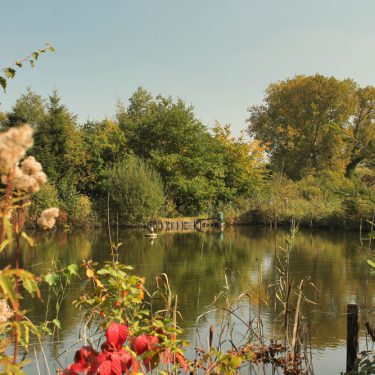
(196, 264)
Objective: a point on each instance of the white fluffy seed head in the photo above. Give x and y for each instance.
(48, 218)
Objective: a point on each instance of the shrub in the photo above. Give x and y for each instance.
(68, 195)
(135, 189)
(82, 213)
(45, 198)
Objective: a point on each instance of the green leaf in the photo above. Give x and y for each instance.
(3, 245)
(9, 72)
(51, 279)
(57, 323)
(29, 240)
(73, 269)
(236, 361)
(32, 63)
(19, 64)
(35, 55)
(3, 83)
(7, 288)
(371, 263)
(9, 231)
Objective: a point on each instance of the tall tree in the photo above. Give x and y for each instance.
(105, 144)
(243, 161)
(29, 108)
(180, 147)
(58, 144)
(294, 123)
(360, 132)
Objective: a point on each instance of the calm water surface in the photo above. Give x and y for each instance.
(197, 263)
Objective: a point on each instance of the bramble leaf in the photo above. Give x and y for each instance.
(117, 334)
(51, 279)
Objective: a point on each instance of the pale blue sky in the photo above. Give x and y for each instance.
(217, 55)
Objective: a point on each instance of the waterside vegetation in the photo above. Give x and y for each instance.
(310, 157)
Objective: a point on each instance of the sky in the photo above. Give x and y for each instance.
(217, 55)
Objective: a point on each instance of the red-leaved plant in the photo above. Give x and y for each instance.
(116, 360)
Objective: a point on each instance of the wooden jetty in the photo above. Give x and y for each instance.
(185, 223)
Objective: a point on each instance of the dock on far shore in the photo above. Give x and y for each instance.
(187, 223)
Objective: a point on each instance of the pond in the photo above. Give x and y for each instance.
(198, 265)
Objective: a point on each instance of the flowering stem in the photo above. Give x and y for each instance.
(16, 315)
(7, 198)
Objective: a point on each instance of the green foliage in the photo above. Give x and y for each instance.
(294, 123)
(327, 199)
(196, 168)
(110, 293)
(135, 190)
(68, 195)
(82, 213)
(58, 280)
(58, 144)
(242, 162)
(10, 72)
(105, 144)
(29, 108)
(315, 129)
(45, 198)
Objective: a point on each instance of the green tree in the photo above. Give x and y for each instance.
(187, 157)
(360, 132)
(105, 144)
(29, 108)
(295, 123)
(58, 143)
(243, 161)
(135, 189)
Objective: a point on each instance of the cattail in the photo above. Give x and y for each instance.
(48, 218)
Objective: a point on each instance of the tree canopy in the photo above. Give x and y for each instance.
(305, 126)
(295, 123)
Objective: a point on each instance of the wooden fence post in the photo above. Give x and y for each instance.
(352, 327)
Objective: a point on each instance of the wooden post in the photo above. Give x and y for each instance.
(352, 336)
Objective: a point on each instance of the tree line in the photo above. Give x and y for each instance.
(310, 156)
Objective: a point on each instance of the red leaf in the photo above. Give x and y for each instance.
(105, 368)
(108, 363)
(140, 344)
(182, 361)
(166, 356)
(144, 343)
(151, 361)
(152, 343)
(76, 368)
(169, 357)
(106, 346)
(117, 334)
(98, 361)
(85, 355)
(125, 359)
(135, 366)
